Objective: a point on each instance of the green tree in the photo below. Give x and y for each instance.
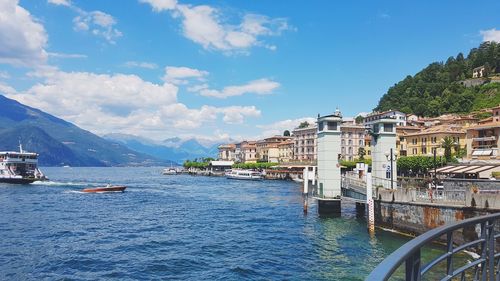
(286, 133)
(304, 124)
(359, 119)
(361, 153)
(447, 143)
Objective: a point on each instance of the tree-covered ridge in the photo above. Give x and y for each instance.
(437, 89)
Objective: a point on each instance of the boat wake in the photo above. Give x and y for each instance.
(74, 191)
(56, 183)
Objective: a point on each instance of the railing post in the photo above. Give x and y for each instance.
(449, 259)
(413, 267)
(484, 250)
(491, 249)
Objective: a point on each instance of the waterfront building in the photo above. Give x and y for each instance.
(267, 149)
(245, 152)
(483, 140)
(219, 166)
(227, 152)
(402, 133)
(426, 141)
(373, 117)
(352, 138)
(285, 150)
(305, 143)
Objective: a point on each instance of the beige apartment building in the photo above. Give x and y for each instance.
(483, 140)
(267, 149)
(285, 150)
(352, 138)
(227, 152)
(305, 141)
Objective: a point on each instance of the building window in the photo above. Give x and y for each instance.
(424, 150)
(360, 142)
(388, 128)
(350, 142)
(332, 126)
(320, 126)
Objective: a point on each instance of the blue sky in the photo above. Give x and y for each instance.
(223, 69)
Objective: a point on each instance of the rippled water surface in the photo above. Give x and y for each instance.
(177, 227)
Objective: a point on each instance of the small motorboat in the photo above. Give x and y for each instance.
(107, 188)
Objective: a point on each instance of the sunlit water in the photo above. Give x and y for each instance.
(177, 227)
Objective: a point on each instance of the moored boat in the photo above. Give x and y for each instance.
(20, 167)
(169, 171)
(108, 188)
(243, 175)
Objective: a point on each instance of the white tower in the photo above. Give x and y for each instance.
(383, 133)
(329, 180)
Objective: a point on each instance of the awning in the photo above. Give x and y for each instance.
(485, 139)
(482, 152)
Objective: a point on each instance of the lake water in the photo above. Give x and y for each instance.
(177, 228)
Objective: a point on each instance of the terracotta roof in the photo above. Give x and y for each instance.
(446, 129)
(485, 126)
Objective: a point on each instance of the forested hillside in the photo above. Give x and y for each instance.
(437, 89)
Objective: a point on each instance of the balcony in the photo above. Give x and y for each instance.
(492, 138)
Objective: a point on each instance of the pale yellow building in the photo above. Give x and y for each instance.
(285, 150)
(430, 139)
(267, 149)
(227, 152)
(245, 152)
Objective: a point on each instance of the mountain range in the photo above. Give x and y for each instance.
(175, 149)
(60, 142)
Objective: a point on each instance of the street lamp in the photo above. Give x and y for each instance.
(391, 156)
(440, 153)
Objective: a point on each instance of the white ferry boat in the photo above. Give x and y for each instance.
(243, 175)
(169, 171)
(19, 167)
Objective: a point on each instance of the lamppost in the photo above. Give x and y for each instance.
(390, 155)
(440, 153)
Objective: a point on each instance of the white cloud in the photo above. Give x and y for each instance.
(104, 103)
(22, 38)
(205, 25)
(97, 23)
(148, 65)
(197, 88)
(60, 2)
(237, 114)
(258, 87)
(277, 128)
(181, 75)
(490, 35)
(161, 5)
(4, 75)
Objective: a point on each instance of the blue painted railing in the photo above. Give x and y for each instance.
(484, 267)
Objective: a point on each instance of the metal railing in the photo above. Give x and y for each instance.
(440, 196)
(485, 265)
